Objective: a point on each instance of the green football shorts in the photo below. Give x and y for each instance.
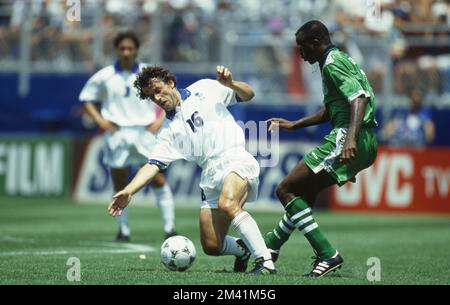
(326, 156)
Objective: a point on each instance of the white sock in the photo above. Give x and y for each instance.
(122, 221)
(230, 247)
(248, 230)
(164, 201)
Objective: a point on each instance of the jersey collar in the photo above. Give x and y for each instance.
(185, 93)
(118, 69)
(324, 56)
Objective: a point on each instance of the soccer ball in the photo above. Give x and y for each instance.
(178, 253)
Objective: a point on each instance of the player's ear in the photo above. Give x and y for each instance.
(171, 84)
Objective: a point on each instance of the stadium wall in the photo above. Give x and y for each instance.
(35, 165)
(401, 180)
(52, 106)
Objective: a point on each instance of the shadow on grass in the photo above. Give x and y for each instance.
(224, 270)
(142, 269)
(333, 275)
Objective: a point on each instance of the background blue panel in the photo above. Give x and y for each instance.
(52, 106)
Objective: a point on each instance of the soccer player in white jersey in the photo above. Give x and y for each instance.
(199, 128)
(129, 124)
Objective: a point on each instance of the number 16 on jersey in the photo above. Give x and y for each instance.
(195, 121)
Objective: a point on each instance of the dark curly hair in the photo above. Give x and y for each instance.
(144, 79)
(126, 35)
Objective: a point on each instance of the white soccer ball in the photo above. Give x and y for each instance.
(178, 253)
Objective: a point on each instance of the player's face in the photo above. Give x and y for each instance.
(307, 50)
(163, 94)
(127, 51)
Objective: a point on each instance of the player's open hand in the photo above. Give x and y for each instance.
(119, 202)
(224, 76)
(349, 150)
(280, 123)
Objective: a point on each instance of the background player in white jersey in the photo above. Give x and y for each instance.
(199, 128)
(129, 126)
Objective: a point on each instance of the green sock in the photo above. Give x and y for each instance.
(278, 236)
(300, 215)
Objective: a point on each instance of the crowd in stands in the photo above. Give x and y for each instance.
(414, 34)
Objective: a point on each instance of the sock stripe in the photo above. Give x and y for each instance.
(288, 225)
(291, 201)
(285, 228)
(240, 218)
(304, 221)
(310, 228)
(288, 221)
(276, 234)
(306, 224)
(300, 214)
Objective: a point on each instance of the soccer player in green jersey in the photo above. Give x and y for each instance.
(351, 146)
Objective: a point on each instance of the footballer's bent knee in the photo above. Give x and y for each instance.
(283, 192)
(229, 206)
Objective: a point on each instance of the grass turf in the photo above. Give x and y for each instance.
(37, 236)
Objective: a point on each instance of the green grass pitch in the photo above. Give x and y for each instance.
(37, 236)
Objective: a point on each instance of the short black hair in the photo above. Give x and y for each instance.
(126, 35)
(311, 30)
(144, 78)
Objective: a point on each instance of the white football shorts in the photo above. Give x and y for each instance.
(237, 160)
(128, 146)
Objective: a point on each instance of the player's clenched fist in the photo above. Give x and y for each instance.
(224, 76)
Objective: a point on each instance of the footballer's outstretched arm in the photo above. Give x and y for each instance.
(357, 111)
(317, 118)
(123, 197)
(242, 89)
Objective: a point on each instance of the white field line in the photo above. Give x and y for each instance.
(119, 248)
(15, 239)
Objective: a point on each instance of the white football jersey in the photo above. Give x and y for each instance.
(201, 129)
(114, 89)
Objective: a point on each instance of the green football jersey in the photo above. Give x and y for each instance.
(343, 81)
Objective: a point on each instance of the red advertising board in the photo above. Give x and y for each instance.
(409, 180)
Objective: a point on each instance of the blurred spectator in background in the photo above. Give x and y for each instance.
(411, 127)
(272, 59)
(181, 43)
